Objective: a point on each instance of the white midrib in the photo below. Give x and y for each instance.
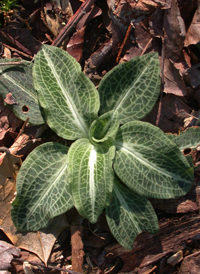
(19, 86)
(79, 121)
(136, 155)
(91, 165)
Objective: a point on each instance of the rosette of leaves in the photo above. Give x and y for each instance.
(115, 162)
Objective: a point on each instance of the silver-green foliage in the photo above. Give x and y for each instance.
(109, 147)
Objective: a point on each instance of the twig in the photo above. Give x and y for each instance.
(123, 43)
(84, 8)
(47, 267)
(18, 51)
(147, 45)
(12, 63)
(162, 87)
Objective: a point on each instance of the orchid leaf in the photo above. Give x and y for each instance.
(149, 163)
(69, 99)
(129, 214)
(190, 138)
(131, 88)
(91, 177)
(104, 127)
(16, 81)
(42, 187)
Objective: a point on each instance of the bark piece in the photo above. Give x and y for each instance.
(190, 264)
(77, 248)
(147, 249)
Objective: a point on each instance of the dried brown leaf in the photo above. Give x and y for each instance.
(10, 100)
(190, 264)
(174, 32)
(193, 33)
(173, 81)
(40, 242)
(7, 251)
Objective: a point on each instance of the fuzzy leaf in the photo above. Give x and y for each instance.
(129, 214)
(69, 99)
(91, 177)
(42, 187)
(17, 81)
(104, 127)
(149, 163)
(131, 88)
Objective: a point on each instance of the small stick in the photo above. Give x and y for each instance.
(124, 42)
(147, 45)
(12, 63)
(18, 51)
(47, 267)
(84, 8)
(161, 88)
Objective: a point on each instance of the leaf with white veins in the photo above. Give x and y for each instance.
(131, 88)
(104, 127)
(190, 138)
(91, 177)
(149, 163)
(17, 81)
(42, 187)
(129, 214)
(69, 99)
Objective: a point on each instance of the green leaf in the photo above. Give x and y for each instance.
(129, 214)
(42, 187)
(104, 127)
(17, 80)
(149, 163)
(69, 99)
(131, 88)
(91, 177)
(189, 138)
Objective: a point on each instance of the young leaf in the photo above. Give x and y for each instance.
(69, 99)
(149, 163)
(189, 138)
(42, 187)
(131, 88)
(129, 214)
(104, 127)
(91, 177)
(18, 81)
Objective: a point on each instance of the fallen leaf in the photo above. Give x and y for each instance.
(173, 81)
(22, 39)
(10, 100)
(9, 166)
(7, 251)
(75, 45)
(190, 264)
(40, 242)
(135, 11)
(56, 16)
(173, 112)
(8, 122)
(192, 76)
(193, 33)
(187, 6)
(174, 32)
